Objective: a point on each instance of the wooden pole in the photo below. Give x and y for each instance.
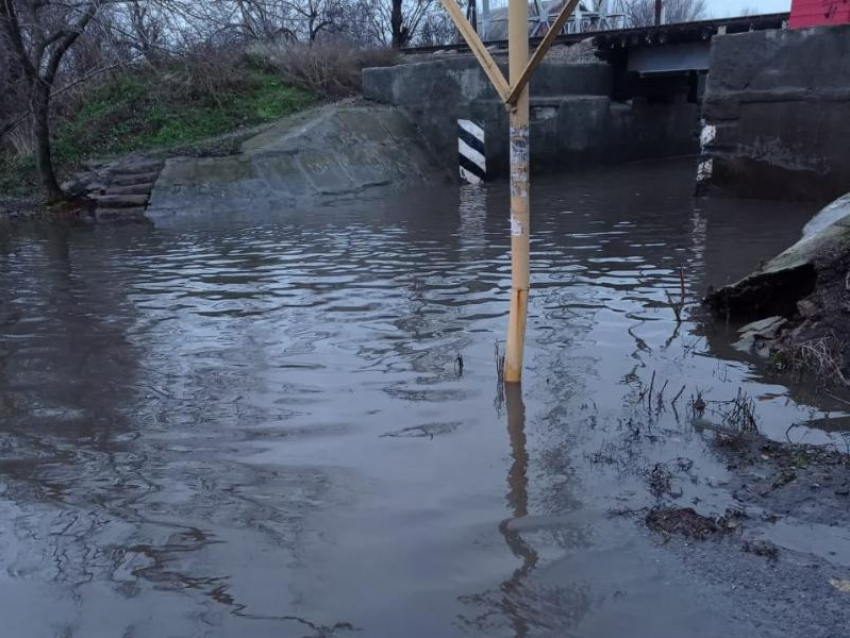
(520, 217)
(515, 97)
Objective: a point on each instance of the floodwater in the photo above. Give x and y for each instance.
(259, 426)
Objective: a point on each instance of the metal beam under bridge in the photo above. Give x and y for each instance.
(673, 58)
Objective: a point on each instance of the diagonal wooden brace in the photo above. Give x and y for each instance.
(477, 46)
(542, 49)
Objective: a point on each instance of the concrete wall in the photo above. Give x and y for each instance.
(574, 121)
(777, 115)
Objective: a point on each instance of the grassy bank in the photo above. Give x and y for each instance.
(154, 108)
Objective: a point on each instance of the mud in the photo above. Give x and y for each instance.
(686, 522)
(809, 483)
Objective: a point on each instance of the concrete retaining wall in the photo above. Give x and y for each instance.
(777, 115)
(574, 121)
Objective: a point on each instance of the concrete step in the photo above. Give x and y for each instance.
(132, 179)
(132, 189)
(140, 165)
(121, 201)
(136, 214)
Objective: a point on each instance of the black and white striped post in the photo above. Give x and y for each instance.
(470, 146)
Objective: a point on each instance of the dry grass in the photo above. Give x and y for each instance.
(824, 357)
(332, 69)
(740, 415)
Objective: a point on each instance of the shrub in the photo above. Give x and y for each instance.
(331, 69)
(170, 105)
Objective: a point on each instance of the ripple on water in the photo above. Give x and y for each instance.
(269, 419)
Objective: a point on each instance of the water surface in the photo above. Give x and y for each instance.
(237, 425)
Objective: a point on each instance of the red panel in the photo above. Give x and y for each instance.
(812, 13)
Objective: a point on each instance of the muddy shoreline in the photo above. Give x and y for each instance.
(778, 548)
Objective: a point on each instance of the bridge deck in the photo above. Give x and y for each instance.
(645, 36)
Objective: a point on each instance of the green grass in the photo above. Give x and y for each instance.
(157, 110)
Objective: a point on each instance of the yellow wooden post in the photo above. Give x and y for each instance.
(516, 97)
(520, 210)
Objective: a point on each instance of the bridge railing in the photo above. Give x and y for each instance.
(604, 16)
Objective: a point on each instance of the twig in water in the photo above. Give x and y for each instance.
(677, 309)
(698, 405)
(742, 415)
(680, 306)
(500, 363)
(676, 398)
(459, 365)
(499, 401)
(660, 400)
(651, 386)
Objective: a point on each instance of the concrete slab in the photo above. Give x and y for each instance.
(333, 150)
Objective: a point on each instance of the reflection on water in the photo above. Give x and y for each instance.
(518, 501)
(233, 425)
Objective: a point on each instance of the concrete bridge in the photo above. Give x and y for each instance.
(763, 104)
(651, 49)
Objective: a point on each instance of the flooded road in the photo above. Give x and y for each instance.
(251, 426)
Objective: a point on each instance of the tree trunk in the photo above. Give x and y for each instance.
(397, 24)
(40, 108)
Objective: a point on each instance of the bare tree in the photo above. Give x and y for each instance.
(39, 33)
(395, 22)
(642, 13)
(315, 17)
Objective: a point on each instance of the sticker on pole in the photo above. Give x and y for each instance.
(519, 161)
(516, 227)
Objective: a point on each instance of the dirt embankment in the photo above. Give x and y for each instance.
(800, 300)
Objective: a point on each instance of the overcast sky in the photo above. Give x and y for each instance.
(735, 7)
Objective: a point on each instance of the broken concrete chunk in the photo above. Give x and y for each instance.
(836, 211)
(765, 328)
(757, 336)
(776, 287)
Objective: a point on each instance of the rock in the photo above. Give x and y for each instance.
(807, 309)
(761, 548)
